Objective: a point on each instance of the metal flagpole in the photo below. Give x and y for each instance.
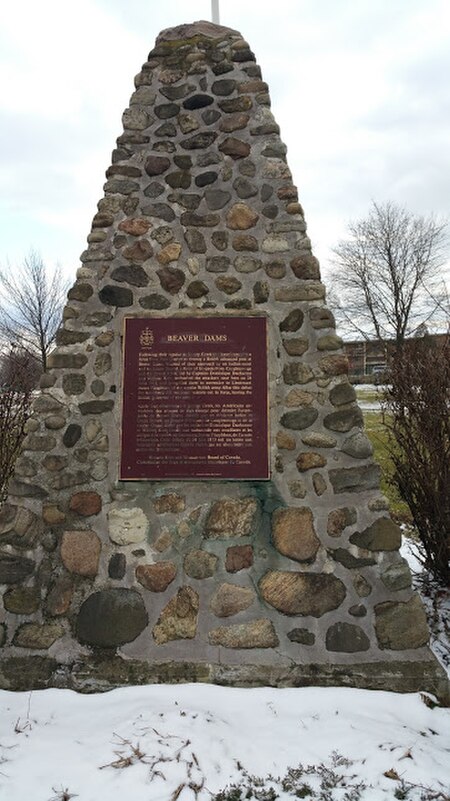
(215, 11)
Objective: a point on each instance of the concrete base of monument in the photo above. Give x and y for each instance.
(104, 672)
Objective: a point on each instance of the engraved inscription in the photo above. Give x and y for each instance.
(195, 399)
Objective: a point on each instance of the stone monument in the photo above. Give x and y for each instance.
(196, 499)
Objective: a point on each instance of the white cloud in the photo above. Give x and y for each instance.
(358, 88)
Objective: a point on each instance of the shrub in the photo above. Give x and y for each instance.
(416, 413)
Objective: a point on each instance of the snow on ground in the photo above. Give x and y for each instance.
(189, 742)
(144, 743)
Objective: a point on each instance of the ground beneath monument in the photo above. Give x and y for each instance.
(174, 743)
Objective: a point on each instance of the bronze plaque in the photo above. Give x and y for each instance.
(195, 399)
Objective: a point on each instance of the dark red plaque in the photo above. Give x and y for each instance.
(195, 398)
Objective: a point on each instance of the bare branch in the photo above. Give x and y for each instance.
(388, 272)
(31, 302)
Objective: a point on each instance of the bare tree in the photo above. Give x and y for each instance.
(31, 302)
(388, 276)
(19, 372)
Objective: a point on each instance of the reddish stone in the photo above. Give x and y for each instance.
(238, 558)
(80, 552)
(234, 122)
(135, 226)
(235, 148)
(139, 251)
(156, 165)
(293, 533)
(86, 503)
(157, 577)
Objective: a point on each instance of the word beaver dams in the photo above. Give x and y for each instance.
(251, 545)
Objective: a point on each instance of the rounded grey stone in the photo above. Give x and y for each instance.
(344, 420)
(206, 178)
(97, 387)
(217, 264)
(179, 179)
(96, 406)
(346, 638)
(220, 239)
(342, 394)
(154, 190)
(130, 274)
(110, 618)
(71, 435)
(302, 636)
(217, 198)
(197, 101)
(358, 446)
(154, 301)
(244, 188)
(397, 576)
(195, 241)
(210, 116)
(117, 566)
(14, 569)
(116, 296)
(160, 210)
(166, 110)
(74, 383)
(299, 419)
(293, 321)
(223, 87)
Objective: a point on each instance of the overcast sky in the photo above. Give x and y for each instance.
(360, 89)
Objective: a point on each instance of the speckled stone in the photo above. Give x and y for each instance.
(339, 519)
(80, 552)
(241, 217)
(297, 373)
(200, 564)
(231, 517)
(309, 460)
(154, 301)
(257, 634)
(38, 636)
(178, 619)
(228, 284)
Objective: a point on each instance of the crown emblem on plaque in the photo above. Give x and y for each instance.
(146, 338)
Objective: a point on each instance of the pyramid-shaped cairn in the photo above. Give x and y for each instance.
(213, 563)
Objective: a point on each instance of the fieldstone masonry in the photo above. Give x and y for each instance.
(289, 582)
